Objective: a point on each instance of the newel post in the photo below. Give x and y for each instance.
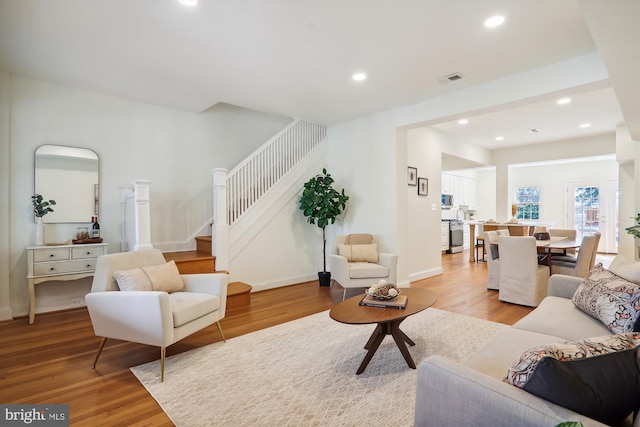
(220, 229)
(142, 214)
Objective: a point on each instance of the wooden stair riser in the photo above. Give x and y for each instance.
(192, 262)
(238, 295)
(203, 244)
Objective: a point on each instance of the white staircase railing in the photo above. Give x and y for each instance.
(257, 174)
(237, 191)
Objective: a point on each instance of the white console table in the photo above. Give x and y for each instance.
(64, 262)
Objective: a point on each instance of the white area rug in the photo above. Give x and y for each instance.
(302, 373)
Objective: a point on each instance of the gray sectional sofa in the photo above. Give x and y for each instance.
(473, 394)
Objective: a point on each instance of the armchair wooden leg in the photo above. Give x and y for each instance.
(102, 343)
(163, 352)
(220, 329)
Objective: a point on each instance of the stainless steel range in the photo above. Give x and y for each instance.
(456, 236)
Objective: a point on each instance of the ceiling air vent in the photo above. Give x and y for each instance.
(534, 130)
(450, 78)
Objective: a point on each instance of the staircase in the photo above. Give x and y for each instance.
(201, 261)
(194, 262)
(245, 200)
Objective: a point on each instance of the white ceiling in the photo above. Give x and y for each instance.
(296, 58)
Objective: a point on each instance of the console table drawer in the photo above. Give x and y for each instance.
(50, 255)
(48, 268)
(89, 252)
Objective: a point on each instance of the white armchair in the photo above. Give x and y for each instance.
(522, 280)
(358, 264)
(152, 317)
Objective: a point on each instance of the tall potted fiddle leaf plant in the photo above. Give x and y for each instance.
(322, 204)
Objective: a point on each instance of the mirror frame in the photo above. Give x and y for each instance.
(71, 177)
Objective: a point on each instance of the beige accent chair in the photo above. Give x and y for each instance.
(493, 256)
(358, 264)
(522, 280)
(581, 265)
(569, 233)
(152, 317)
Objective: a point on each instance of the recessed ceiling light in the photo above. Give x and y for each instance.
(585, 125)
(563, 101)
(499, 138)
(494, 21)
(359, 77)
(189, 2)
(463, 121)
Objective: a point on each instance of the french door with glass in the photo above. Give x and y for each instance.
(592, 207)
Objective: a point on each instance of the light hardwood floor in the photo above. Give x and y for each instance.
(50, 361)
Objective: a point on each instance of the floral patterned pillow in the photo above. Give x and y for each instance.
(609, 298)
(522, 369)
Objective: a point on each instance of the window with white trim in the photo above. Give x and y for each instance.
(528, 203)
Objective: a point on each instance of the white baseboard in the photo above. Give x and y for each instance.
(263, 286)
(6, 313)
(425, 274)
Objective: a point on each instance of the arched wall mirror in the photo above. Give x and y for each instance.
(69, 176)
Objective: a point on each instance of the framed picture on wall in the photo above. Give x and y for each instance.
(423, 187)
(412, 176)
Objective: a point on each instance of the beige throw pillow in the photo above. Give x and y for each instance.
(162, 277)
(133, 280)
(359, 253)
(165, 277)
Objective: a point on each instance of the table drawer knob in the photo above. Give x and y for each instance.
(51, 256)
(52, 269)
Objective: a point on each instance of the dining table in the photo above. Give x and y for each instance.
(557, 242)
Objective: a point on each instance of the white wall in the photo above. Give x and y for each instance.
(361, 158)
(599, 145)
(552, 180)
(175, 150)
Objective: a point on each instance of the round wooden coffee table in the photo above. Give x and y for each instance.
(388, 319)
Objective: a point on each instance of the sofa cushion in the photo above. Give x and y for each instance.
(522, 368)
(626, 268)
(367, 270)
(604, 387)
(163, 277)
(359, 253)
(495, 358)
(609, 298)
(188, 306)
(559, 317)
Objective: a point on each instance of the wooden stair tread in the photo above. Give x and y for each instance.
(192, 262)
(188, 256)
(237, 288)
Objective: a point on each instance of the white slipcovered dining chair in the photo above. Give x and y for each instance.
(569, 233)
(125, 303)
(580, 265)
(493, 256)
(358, 264)
(522, 280)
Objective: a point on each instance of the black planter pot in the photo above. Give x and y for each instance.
(324, 277)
